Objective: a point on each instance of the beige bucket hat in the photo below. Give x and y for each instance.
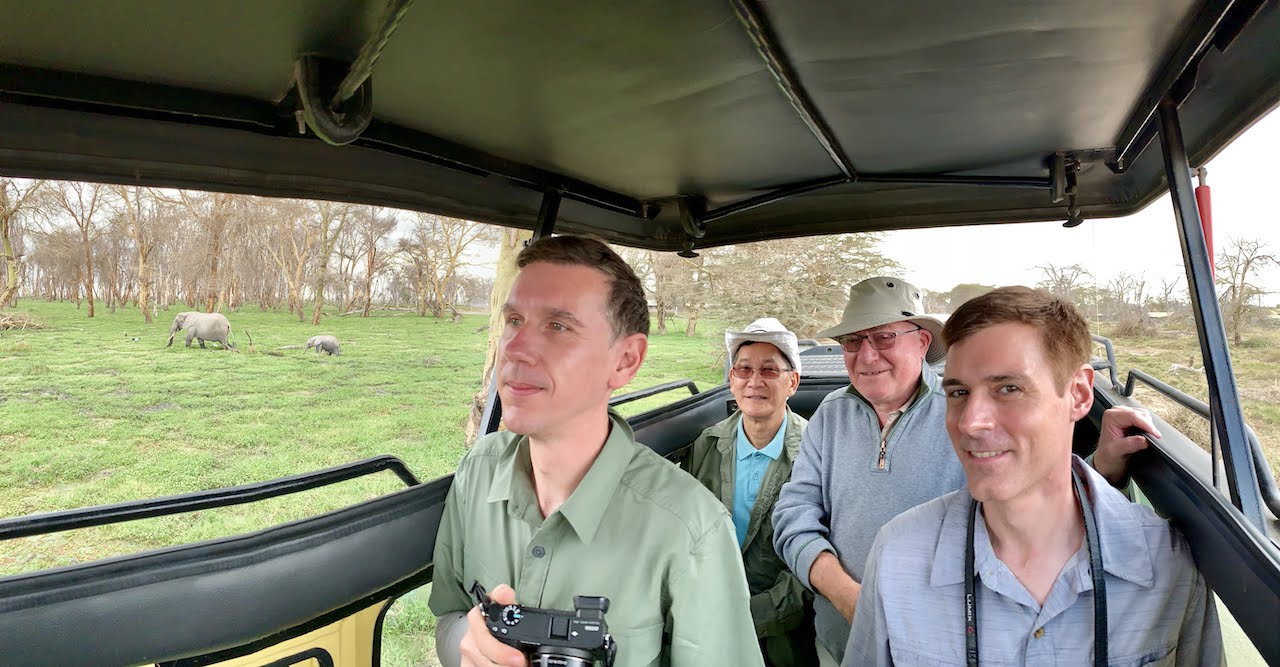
(882, 300)
(765, 330)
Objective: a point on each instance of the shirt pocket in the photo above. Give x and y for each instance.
(638, 646)
(909, 658)
(1164, 657)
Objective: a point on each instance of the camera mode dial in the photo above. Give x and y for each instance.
(512, 614)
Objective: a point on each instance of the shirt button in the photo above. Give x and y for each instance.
(539, 552)
(1039, 633)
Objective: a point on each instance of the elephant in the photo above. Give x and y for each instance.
(325, 343)
(204, 326)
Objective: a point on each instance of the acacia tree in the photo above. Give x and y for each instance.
(141, 213)
(438, 248)
(331, 218)
(1238, 266)
(371, 231)
(804, 282)
(83, 202)
(17, 199)
(290, 240)
(214, 213)
(1064, 282)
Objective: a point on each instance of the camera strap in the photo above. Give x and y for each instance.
(1094, 544)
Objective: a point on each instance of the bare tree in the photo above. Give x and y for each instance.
(214, 212)
(331, 218)
(141, 213)
(372, 231)
(1238, 265)
(1064, 282)
(289, 240)
(17, 198)
(82, 202)
(438, 249)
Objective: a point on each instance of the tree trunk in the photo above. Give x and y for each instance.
(662, 316)
(88, 266)
(512, 242)
(691, 327)
(144, 282)
(10, 260)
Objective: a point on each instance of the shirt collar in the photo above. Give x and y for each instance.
(585, 508)
(772, 450)
(1125, 552)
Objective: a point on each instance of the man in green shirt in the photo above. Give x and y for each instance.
(567, 503)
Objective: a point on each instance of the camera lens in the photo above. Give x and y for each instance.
(561, 656)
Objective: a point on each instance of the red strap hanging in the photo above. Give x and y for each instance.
(1204, 202)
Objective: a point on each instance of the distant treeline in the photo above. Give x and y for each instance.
(148, 248)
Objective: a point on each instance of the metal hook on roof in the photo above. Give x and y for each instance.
(337, 99)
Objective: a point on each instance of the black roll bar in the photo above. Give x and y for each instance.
(1111, 360)
(653, 391)
(101, 515)
(1228, 419)
(1266, 481)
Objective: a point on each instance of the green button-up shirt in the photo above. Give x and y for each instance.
(637, 530)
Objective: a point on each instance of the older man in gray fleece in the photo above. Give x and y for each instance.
(879, 447)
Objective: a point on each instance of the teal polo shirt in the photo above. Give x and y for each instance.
(749, 471)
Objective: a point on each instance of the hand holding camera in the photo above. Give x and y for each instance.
(545, 637)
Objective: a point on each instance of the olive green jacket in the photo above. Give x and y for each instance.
(778, 599)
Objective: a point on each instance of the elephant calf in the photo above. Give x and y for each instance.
(324, 343)
(204, 326)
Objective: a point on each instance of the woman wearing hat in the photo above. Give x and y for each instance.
(744, 460)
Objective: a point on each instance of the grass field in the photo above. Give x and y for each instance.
(89, 415)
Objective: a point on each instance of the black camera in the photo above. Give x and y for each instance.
(549, 637)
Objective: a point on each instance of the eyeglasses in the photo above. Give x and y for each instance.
(766, 372)
(880, 340)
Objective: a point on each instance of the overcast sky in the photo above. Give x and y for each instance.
(1244, 185)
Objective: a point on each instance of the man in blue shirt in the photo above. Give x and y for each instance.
(744, 460)
(1038, 560)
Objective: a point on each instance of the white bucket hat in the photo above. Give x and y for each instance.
(882, 300)
(765, 330)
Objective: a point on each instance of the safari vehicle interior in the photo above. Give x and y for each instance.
(671, 126)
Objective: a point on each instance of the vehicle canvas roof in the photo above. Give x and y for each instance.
(767, 119)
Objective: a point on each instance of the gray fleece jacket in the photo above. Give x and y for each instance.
(839, 497)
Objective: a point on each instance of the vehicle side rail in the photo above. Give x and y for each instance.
(101, 515)
(205, 602)
(654, 391)
(1266, 481)
(1110, 363)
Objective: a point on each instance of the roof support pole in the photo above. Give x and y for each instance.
(1224, 400)
(752, 18)
(492, 415)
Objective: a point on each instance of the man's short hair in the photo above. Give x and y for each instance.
(628, 310)
(1064, 332)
